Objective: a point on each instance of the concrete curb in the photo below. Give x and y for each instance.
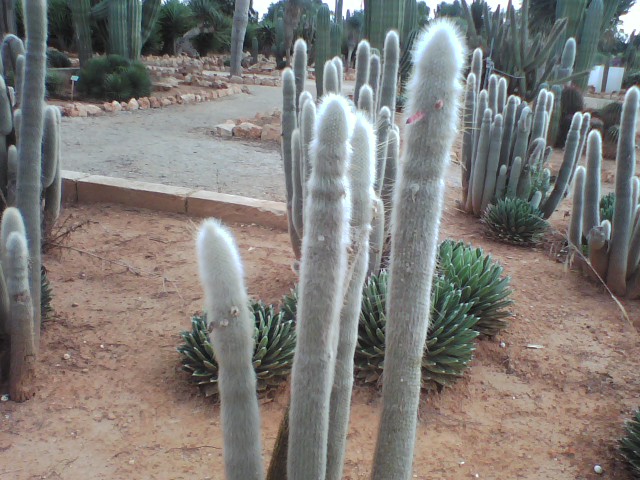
(85, 188)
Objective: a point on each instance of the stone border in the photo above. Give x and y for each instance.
(85, 188)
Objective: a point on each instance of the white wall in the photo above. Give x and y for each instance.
(614, 80)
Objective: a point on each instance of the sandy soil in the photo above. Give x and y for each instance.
(120, 407)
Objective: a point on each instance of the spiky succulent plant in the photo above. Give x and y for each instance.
(481, 281)
(450, 339)
(272, 358)
(607, 206)
(515, 221)
(630, 444)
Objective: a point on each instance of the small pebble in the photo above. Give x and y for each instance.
(74, 304)
(598, 469)
(503, 345)
(66, 356)
(4, 398)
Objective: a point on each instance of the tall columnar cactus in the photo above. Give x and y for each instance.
(366, 102)
(297, 175)
(374, 74)
(433, 94)
(622, 224)
(289, 124)
(591, 215)
(493, 162)
(589, 38)
(477, 67)
(231, 325)
(361, 175)
(577, 212)
(389, 87)
(568, 59)
(467, 129)
(382, 16)
(322, 45)
(299, 68)
(320, 287)
(480, 165)
(307, 123)
(330, 78)
(363, 60)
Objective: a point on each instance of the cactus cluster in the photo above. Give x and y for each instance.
(30, 180)
(338, 207)
(129, 24)
(613, 246)
(505, 152)
(274, 339)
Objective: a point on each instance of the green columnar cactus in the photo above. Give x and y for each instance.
(361, 175)
(231, 325)
(433, 94)
(554, 121)
(537, 130)
(501, 183)
(493, 94)
(589, 38)
(330, 78)
(382, 16)
(493, 162)
(374, 76)
(523, 132)
(325, 261)
(509, 126)
(255, 49)
(577, 212)
(565, 69)
(467, 129)
(363, 61)
(296, 172)
(389, 87)
(81, 14)
(514, 177)
(502, 94)
(299, 68)
(335, 38)
(366, 102)
(591, 215)
(480, 165)
(570, 157)
(476, 67)
(482, 105)
(621, 226)
(322, 45)
(288, 126)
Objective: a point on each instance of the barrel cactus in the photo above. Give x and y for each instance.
(515, 221)
(272, 358)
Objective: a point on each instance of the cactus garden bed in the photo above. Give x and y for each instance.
(113, 402)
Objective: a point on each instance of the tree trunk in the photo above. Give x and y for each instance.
(278, 465)
(605, 75)
(292, 11)
(240, 20)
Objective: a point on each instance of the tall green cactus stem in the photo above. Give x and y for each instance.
(322, 45)
(337, 62)
(335, 38)
(493, 94)
(565, 69)
(480, 164)
(476, 67)
(570, 154)
(381, 16)
(361, 175)
(502, 94)
(509, 126)
(467, 130)
(589, 38)
(288, 126)
(577, 212)
(501, 183)
(330, 75)
(625, 171)
(554, 122)
(537, 130)
(493, 162)
(374, 76)
(536, 199)
(366, 102)
(23, 348)
(81, 14)
(433, 94)
(28, 188)
(591, 215)
(482, 105)
(320, 291)
(307, 125)
(382, 133)
(389, 87)
(231, 326)
(299, 68)
(514, 177)
(296, 172)
(523, 131)
(363, 61)
(134, 21)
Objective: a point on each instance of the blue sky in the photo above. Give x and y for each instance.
(630, 21)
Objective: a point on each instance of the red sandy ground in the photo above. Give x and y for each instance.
(120, 408)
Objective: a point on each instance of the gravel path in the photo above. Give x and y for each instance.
(175, 146)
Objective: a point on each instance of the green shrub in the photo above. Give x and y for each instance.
(607, 206)
(54, 84)
(57, 59)
(113, 77)
(272, 357)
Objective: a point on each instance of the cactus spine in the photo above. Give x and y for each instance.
(622, 217)
(361, 175)
(363, 61)
(231, 326)
(434, 90)
(324, 253)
